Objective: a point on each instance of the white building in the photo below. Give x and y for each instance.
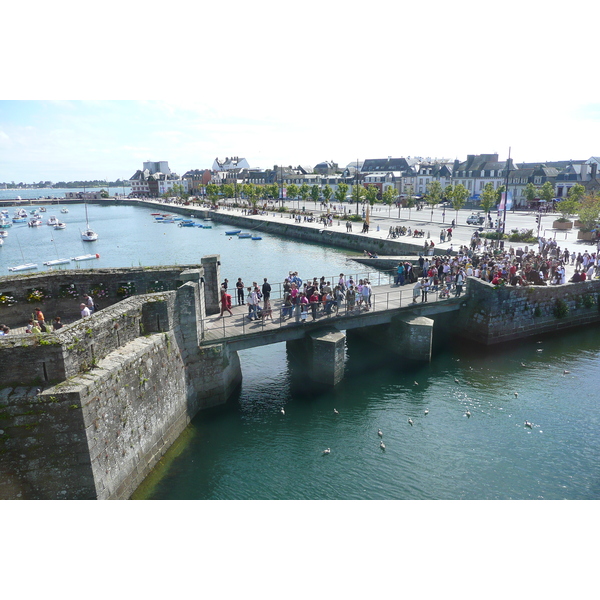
(230, 164)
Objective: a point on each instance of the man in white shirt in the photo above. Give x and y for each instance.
(85, 311)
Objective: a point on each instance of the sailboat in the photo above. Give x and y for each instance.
(57, 261)
(25, 266)
(89, 235)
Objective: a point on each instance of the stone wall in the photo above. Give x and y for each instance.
(492, 314)
(116, 389)
(328, 236)
(63, 289)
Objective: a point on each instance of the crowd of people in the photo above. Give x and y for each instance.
(38, 323)
(314, 298)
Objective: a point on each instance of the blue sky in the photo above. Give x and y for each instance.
(298, 85)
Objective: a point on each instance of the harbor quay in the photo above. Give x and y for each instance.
(103, 398)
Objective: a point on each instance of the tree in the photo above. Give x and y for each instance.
(292, 191)
(327, 193)
(212, 191)
(459, 197)
(577, 192)
(371, 195)
(489, 198)
(358, 194)
(304, 193)
(340, 193)
(272, 190)
(389, 197)
(588, 211)
(315, 193)
(547, 192)
(570, 205)
(228, 190)
(530, 192)
(409, 202)
(433, 195)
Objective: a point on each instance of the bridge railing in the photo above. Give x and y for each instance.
(241, 324)
(375, 278)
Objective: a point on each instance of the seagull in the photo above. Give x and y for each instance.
(539, 350)
(380, 433)
(522, 364)
(426, 411)
(516, 394)
(415, 383)
(282, 411)
(410, 422)
(468, 414)
(528, 424)
(382, 445)
(456, 380)
(327, 451)
(335, 411)
(565, 372)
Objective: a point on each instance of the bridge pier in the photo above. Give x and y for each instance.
(324, 352)
(411, 337)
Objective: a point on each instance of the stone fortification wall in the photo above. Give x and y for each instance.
(133, 377)
(499, 314)
(63, 290)
(330, 236)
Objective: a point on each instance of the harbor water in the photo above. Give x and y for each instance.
(249, 449)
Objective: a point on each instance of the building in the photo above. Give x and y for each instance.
(230, 164)
(479, 170)
(162, 166)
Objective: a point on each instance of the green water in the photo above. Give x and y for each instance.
(249, 450)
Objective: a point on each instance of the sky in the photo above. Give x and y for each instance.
(95, 96)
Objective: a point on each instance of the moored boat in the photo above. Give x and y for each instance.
(233, 232)
(60, 225)
(89, 235)
(64, 211)
(35, 222)
(243, 236)
(58, 261)
(85, 257)
(257, 237)
(24, 267)
(5, 223)
(52, 220)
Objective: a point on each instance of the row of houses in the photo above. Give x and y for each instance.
(410, 175)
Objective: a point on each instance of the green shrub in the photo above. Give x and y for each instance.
(561, 309)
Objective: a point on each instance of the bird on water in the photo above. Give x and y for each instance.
(382, 445)
(380, 433)
(528, 424)
(516, 394)
(468, 413)
(456, 380)
(335, 411)
(426, 411)
(282, 411)
(410, 422)
(327, 451)
(415, 383)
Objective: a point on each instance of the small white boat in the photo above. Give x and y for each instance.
(58, 261)
(42, 209)
(35, 222)
(85, 257)
(24, 267)
(64, 211)
(242, 236)
(52, 220)
(5, 223)
(60, 225)
(89, 235)
(3, 233)
(1, 241)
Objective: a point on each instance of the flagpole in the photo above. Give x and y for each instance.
(506, 193)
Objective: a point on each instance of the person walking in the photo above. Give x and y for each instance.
(225, 302)
(89, 302)
(85, 311)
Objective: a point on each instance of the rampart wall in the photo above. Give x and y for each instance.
(115, 391)
(495, 314)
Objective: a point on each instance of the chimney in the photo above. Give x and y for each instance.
(594, 170)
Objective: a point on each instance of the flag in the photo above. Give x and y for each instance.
(503, 200)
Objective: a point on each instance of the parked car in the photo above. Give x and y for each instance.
(475, 219)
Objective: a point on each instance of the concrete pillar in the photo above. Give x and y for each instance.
(215, 375)
(327, 356)
(212, 282)
(411, 337)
